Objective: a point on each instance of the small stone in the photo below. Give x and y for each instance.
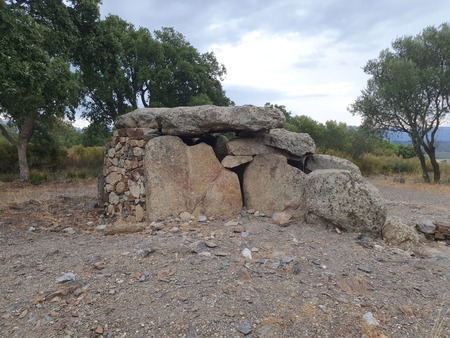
(247, 253)
(100, 227)
(255, 249)
(211, 244)
(99, 265)
(175, 230)
(31, 229)
(370, 319)
(250, 211)
(185, 216)
(426, 227)
(157, 225)
(70, 276)
(281, 218)
(23, 313)
(98, 329)
(202, 218)
(245, 328)
(69, 230)
(239, 229)
(147, 252)
(232, 223)
(198, 246)
(365, 269)
(244, 234)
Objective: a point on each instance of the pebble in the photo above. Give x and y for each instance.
(100, 227)
(147, 252)
(99, 329)
(175, 230)
(247, 253)
(202, 218)
(365, 269)
(231, 223)
(370, 319)
(23, 314)
(245, 327)
(185, 216)
(70, 231)
(239, 229)
(211, 244)
(31, 229)
(157, 225)
(281, 218)
(66, 277)
(426, 227)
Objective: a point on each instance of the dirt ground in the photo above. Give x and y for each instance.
(192, 280)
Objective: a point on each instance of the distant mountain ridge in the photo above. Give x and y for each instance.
(443, 135)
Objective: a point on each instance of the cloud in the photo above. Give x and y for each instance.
(306, 55)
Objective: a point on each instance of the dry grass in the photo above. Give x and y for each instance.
(412, 182)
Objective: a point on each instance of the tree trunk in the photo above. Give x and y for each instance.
(25, 133)
(435, 165)
(423, 162)
(24, 171)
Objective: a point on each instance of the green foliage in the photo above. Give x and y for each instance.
(37, 44)
(37, 178)
(406, 151)
(124, 68)
(65, 134)
(409, 89)
(84, 162)
(95, 135)
(8, 156)
(45, 153)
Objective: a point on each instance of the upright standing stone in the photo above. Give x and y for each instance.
(272, 185)
(182, 178)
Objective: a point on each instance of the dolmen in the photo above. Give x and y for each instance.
(215, 161)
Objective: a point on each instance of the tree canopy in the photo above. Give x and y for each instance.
(56, 54)
(124, 68)
(36, 83)
(409, 91)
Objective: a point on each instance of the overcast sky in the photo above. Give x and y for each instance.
(304, 54)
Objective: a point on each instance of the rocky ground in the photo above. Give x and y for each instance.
(67, 272)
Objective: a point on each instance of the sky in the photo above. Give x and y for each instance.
(304, 54)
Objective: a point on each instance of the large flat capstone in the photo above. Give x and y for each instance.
(199, 120)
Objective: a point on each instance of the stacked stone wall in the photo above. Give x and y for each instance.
(123, 170)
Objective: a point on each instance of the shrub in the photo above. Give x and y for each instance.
(37, 178)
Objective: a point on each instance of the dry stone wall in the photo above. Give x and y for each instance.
(123, 171)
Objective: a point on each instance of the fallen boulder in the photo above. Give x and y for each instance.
(345, 199)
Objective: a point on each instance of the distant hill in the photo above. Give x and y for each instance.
(443, 135)
(442, 141)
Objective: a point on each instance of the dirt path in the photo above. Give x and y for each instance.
(192, 280)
